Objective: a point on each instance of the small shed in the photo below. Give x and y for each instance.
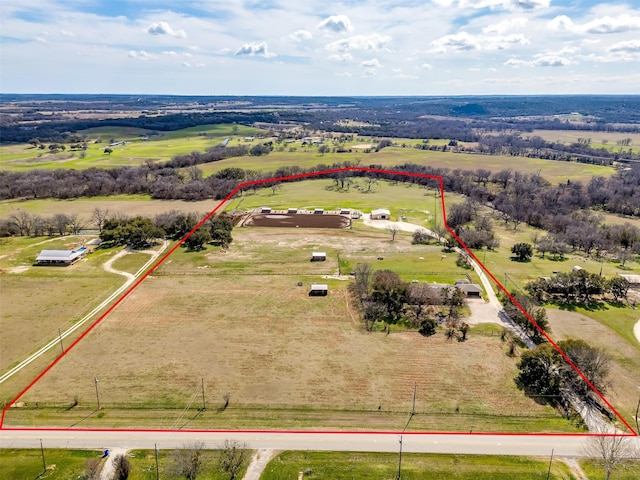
(577, 268)
(381, 214)
(318, 256)
(318, 211)
(632, 280)
(292, 210)
(60, 257)
(319, 290)
(265, 209)
(345, 211)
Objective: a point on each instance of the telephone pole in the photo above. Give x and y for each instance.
(204, 405)
(97, 393)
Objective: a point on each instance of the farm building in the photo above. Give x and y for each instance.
(318, 256)
(265, 209)
(381, 214)
(632, 280)
(60, 257)
(319, 290)
(345, 211)
(470, 289)
(318, 211)
(292, 210)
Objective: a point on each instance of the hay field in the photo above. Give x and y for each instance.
(260, 338)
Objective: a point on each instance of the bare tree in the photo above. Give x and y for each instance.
(99, 216)
(121, 467)
(187, 461)
(76, 223)
(92, 467)
(22, 221)
(393, 228)
(610, 452)
(232, 457)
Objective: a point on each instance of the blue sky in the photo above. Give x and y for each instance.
(313, 47)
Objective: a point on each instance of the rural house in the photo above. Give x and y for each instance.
(381, 214)
(60, 257)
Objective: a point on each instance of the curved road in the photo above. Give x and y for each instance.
(55, 343)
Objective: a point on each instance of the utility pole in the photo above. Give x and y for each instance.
(550, 462)
(637, 410)
(204, 405)
(97, 393)
(400, 460)
(413, 406)
(60, 337)
(44, 465)
(157, 470)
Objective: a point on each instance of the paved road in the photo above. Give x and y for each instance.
(570, 446)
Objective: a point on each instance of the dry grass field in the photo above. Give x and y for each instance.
(257, 336)
(623, 390)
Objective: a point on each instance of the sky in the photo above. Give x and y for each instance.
(320, 47)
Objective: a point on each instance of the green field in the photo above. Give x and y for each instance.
(374, 466)
(21, 464)
(135, 152)
(169, 144)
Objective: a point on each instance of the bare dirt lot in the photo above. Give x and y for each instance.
(261, 339)
(298, 220)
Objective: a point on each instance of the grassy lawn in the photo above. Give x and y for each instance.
(131, 263)
(19, 464)
(364, 466)
(594, 472)
(605, 140)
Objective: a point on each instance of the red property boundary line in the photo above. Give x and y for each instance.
(244, 185)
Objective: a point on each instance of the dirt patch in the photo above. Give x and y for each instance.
(298, 220)
(21, 269)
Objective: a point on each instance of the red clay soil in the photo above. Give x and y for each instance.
(298, 220)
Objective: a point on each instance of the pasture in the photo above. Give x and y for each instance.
(143, 145)
(373, 466)
(606, 140)
(257, 336)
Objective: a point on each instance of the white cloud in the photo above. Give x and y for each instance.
(300, 36)
(459, 42)
(503, 42)
(506, 25)
(373, 63)
(187, 55)
(341, 57)
(374, 41)
(186, 64)
(370, 72)
(66, 33)
(336, 23)
(163, 28)
(41, 40)
(561, 23)
(631, 46)
(342, 74)
(551, 61)
(500, 4)
(601, 25)
(139, 55)
(255, 49)
(621, 23)
(171, 53)
(514, 62)
(200, 65)
(426, 66)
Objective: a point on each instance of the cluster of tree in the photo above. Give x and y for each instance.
(385, 297)
(577, 286)
(142, 232)
(533, 310)
(546, 373)
(24, 224)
